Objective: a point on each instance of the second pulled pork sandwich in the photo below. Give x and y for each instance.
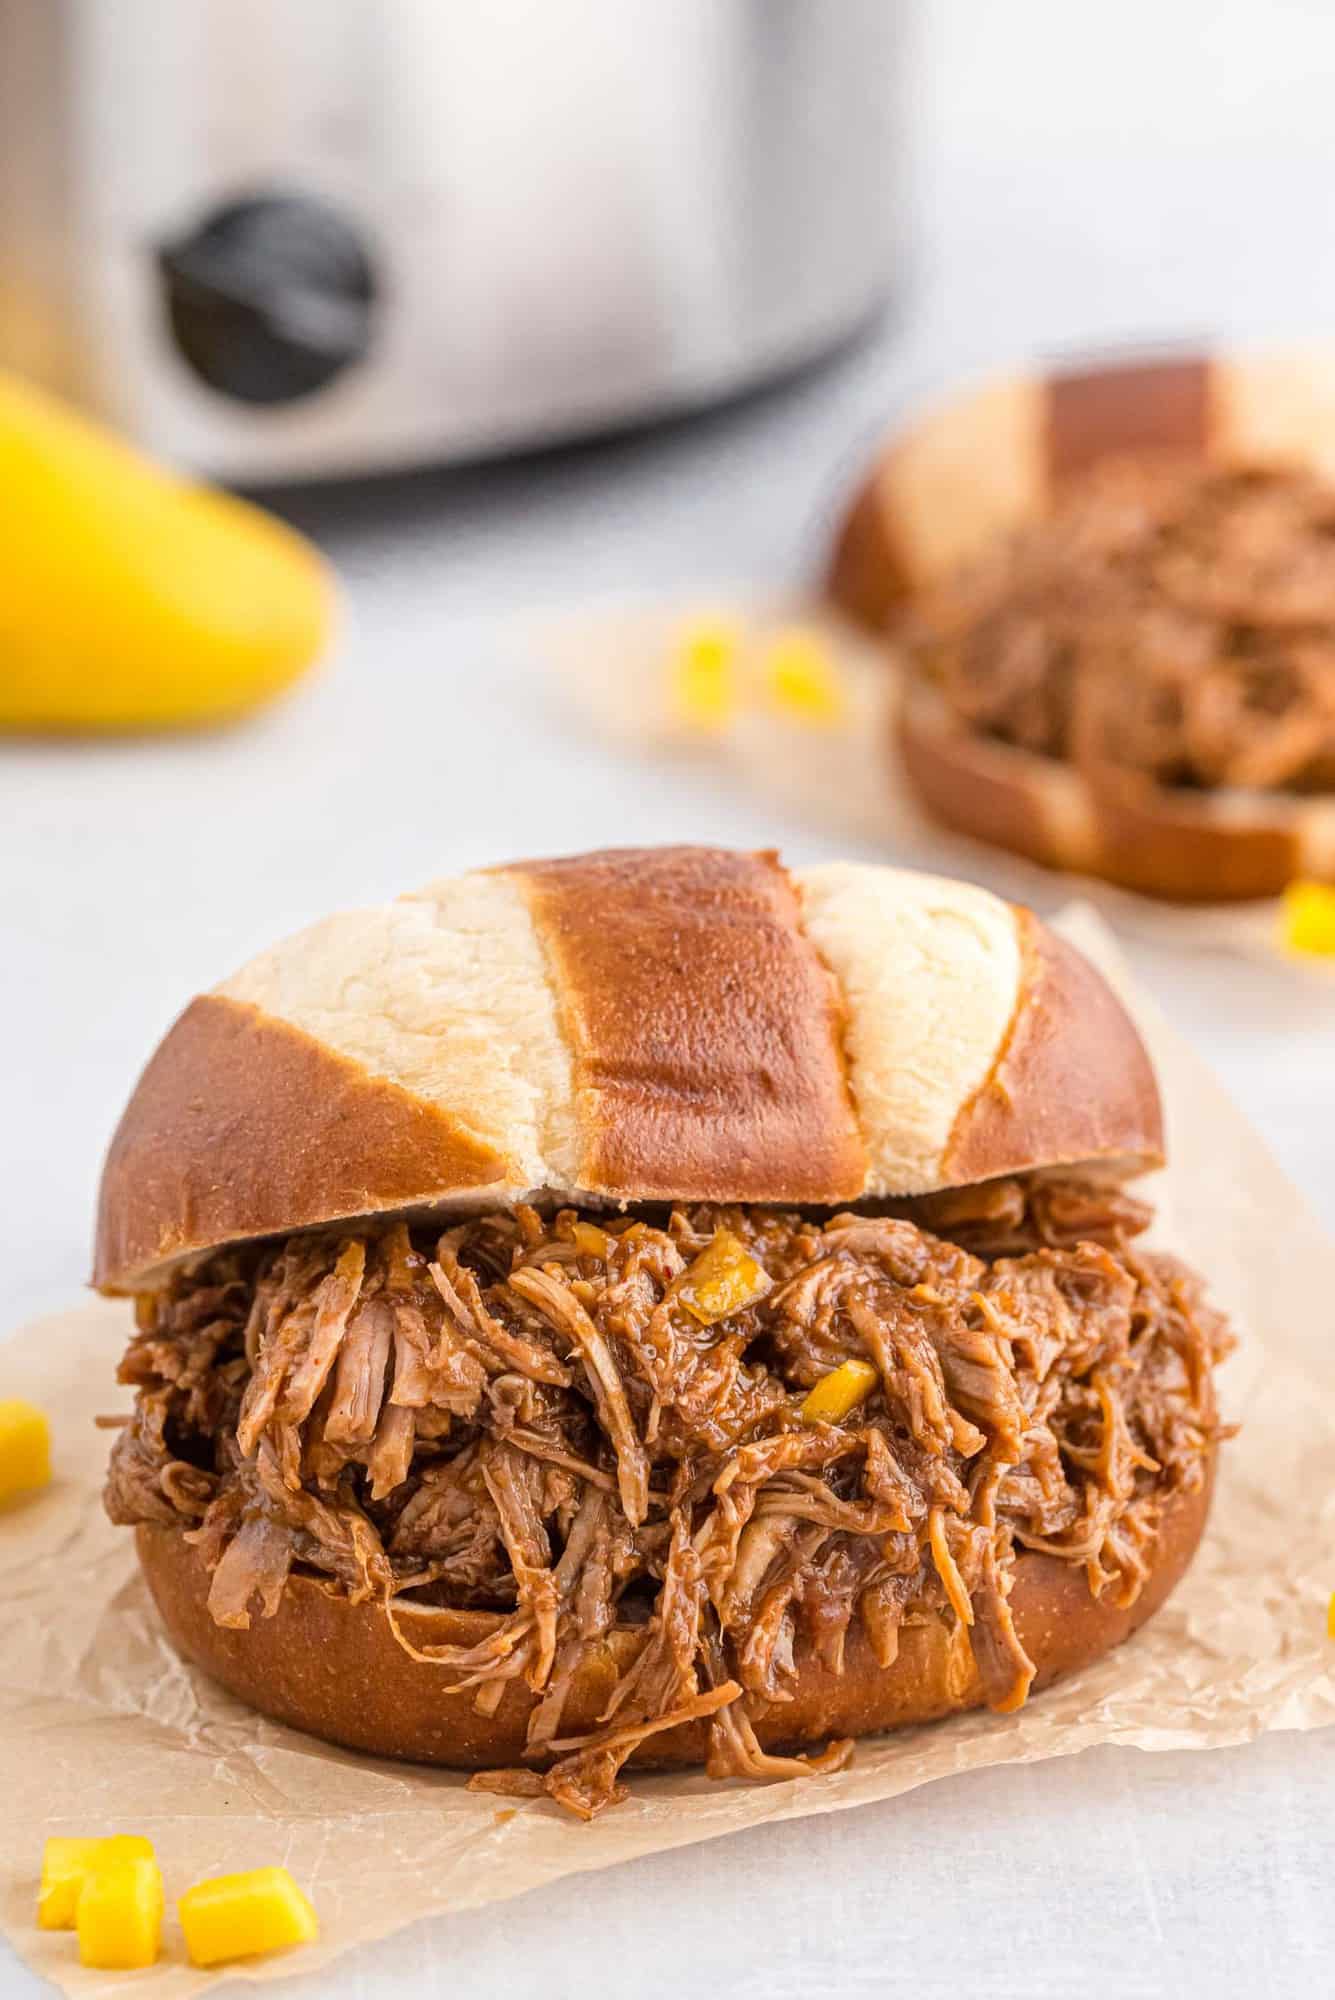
(1110, 596)
(652, 1307)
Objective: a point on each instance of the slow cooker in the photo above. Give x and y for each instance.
(278, 239)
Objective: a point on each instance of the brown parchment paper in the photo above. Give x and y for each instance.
(609, 665)
(102, 1729)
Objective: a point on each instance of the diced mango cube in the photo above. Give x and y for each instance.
(1330, 1617)
(65, 1862)
(802, 678)
(120, 1914)
(837, 1394)
(240, 1916)
(1307, 918)
(703, 676)
(25, 1448)
(725, 1278)
(590, 1240)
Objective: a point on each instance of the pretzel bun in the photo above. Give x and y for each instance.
(633, 1026)
(335, 1670)
(984, 465)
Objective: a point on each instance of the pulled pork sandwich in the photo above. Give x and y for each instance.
(1123, 661)
(653, 1307)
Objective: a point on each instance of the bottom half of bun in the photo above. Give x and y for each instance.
(1182, 845)
(334, 1668)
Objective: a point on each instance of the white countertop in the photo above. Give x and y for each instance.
(1088, 178)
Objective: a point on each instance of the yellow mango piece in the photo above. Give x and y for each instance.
(132, 599)
(837, 1394)
(240, 1916)
(66, 1860)
(25, 1448)
(703, 674)
(801, 678)
(1307, 918)
(725, 1278)
(1330, 1617)
(120, 1914)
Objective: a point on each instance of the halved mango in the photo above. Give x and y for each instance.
(131, 598)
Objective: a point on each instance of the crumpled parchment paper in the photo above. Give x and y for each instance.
(610, 667)
(102, 1729)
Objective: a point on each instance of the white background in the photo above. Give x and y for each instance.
(1086, 177)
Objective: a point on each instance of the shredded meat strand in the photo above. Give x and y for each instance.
(523, 1417)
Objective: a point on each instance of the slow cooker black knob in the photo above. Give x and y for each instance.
(270, 298)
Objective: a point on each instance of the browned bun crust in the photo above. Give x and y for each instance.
(988, 462)
(334, 1669)
(663, 1024)
(869, 577)
(241, 1122)
(1187, 847)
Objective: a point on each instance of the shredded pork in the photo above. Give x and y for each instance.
(524, 1415)
(1166, 619)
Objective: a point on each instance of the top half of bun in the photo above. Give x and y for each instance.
(632, 1026)
(989, 460)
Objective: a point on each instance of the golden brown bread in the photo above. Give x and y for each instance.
(991, 460)
(671, 1022)
(334, 1669)
(1183, 846)
(695, 1006)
